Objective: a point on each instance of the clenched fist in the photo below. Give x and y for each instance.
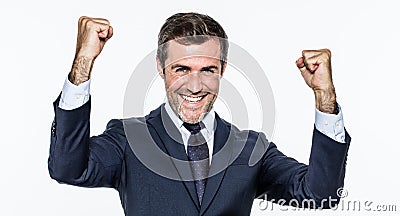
(315, 67)
(93, 33)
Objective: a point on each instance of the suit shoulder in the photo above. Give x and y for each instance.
(118, 125)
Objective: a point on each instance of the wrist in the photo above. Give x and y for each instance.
(325, 101)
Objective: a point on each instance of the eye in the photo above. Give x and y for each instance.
(181, 70)
(208, 71)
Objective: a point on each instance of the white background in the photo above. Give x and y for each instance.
(37, 45)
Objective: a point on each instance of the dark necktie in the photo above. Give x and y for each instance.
(197, 151)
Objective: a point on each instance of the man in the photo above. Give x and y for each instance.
(191, 58)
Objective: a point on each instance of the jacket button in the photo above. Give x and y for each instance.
(53, 128)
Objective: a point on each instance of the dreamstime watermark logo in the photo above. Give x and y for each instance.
(338, 203)
(342, 193)
(247, 97)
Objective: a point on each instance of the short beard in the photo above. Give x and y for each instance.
(207, 109)
(190, 120)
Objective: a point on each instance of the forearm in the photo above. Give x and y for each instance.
(325, 100)
(78, 159)
(69, 147)
(81, 70)
(285, 178)
(326, 169)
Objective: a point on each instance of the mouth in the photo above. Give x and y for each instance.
(191, 99)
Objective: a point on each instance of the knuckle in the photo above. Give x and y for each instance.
(102, 21)
(89, 23)
(83, 19)
(85, 23)
(327, 53)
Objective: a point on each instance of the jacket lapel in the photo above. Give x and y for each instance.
(219, 162)
(172, 143)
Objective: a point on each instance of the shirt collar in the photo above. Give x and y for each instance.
(208, 120)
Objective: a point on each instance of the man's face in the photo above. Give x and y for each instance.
(192, 74)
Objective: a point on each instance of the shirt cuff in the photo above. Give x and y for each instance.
(331, 125)
(74, 96)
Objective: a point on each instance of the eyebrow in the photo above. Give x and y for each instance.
(179, 66)
(209, 67)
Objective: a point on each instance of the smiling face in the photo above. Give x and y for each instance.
(191, 78)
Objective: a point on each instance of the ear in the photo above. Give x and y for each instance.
(160, 69)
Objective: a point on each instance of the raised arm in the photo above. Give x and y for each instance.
(296, 183)
(75, 157)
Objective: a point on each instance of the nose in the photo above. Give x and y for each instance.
(194, 83)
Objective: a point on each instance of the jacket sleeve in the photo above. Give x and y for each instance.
(78, 159)
(288, 182)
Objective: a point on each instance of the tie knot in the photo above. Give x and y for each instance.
(193, 128)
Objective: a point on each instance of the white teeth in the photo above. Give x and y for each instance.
(192, 99)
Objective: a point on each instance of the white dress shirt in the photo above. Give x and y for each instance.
(207, 131)
(73, 97)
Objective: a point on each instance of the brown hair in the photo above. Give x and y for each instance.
(191, 28)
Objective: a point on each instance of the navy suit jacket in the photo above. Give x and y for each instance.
(108, 160)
